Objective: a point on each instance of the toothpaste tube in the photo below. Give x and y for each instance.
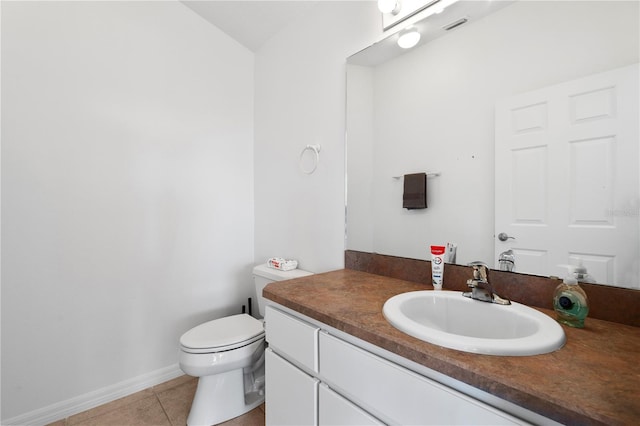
(437, 266)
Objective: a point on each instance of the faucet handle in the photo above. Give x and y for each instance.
(481, 288)
(472, 283)
(480, 271)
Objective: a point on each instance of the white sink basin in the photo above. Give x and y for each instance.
(448, 319)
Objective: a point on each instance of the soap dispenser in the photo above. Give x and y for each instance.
(570, 302)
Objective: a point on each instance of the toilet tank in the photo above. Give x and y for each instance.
(263, 275)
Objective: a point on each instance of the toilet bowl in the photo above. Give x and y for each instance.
(227, 355)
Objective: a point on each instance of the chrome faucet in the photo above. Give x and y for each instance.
(507, 260)
(480, 287)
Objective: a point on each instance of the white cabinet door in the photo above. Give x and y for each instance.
(567, 183)
(335, 410)
(291, 395)
(396, 395)
(292, 338)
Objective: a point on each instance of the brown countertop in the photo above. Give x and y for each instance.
(593, 379)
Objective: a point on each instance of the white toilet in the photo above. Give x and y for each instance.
(227, 355)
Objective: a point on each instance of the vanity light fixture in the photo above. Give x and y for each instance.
(408, 38)
(389, 6)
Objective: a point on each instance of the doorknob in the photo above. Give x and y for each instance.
(504, 237)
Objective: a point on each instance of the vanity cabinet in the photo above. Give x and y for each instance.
(333, 409)
(292, 361)
(291, 394)
(316, 378)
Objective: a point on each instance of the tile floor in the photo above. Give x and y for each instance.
(166, 404)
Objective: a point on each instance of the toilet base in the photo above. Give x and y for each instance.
(221, 397)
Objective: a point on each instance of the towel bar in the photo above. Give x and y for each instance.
(429, 174)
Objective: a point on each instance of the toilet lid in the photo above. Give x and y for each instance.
(222, 332)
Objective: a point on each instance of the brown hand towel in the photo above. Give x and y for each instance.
(415, 191)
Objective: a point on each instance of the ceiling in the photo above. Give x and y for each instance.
(251, 23)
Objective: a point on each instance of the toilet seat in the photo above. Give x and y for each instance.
(222, 334)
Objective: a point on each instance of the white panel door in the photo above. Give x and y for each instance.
(291, 396)
(567, 184)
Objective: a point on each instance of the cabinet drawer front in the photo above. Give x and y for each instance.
(381, 388)
(336, 410)
(292, 338)
(290, 394)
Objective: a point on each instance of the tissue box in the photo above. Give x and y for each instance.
(282, 264)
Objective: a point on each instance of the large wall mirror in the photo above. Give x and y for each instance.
(443, 107)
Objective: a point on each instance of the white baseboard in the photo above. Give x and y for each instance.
(64, 409)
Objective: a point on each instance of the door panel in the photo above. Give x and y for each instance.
(333, 409)
(567, 180)
(291, 395)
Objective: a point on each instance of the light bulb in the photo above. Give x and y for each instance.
(408, 38)
(389, 6)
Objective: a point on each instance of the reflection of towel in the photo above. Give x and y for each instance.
(415, 191)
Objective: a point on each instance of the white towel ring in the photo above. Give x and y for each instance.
(316, 159)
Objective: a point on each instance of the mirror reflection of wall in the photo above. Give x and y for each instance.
(432, 109)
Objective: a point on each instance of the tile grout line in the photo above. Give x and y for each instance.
(162, 406)
(96, 413)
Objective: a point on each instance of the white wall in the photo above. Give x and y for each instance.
(434, 111)
(300, 100)
(127, 193)
(360, 136)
